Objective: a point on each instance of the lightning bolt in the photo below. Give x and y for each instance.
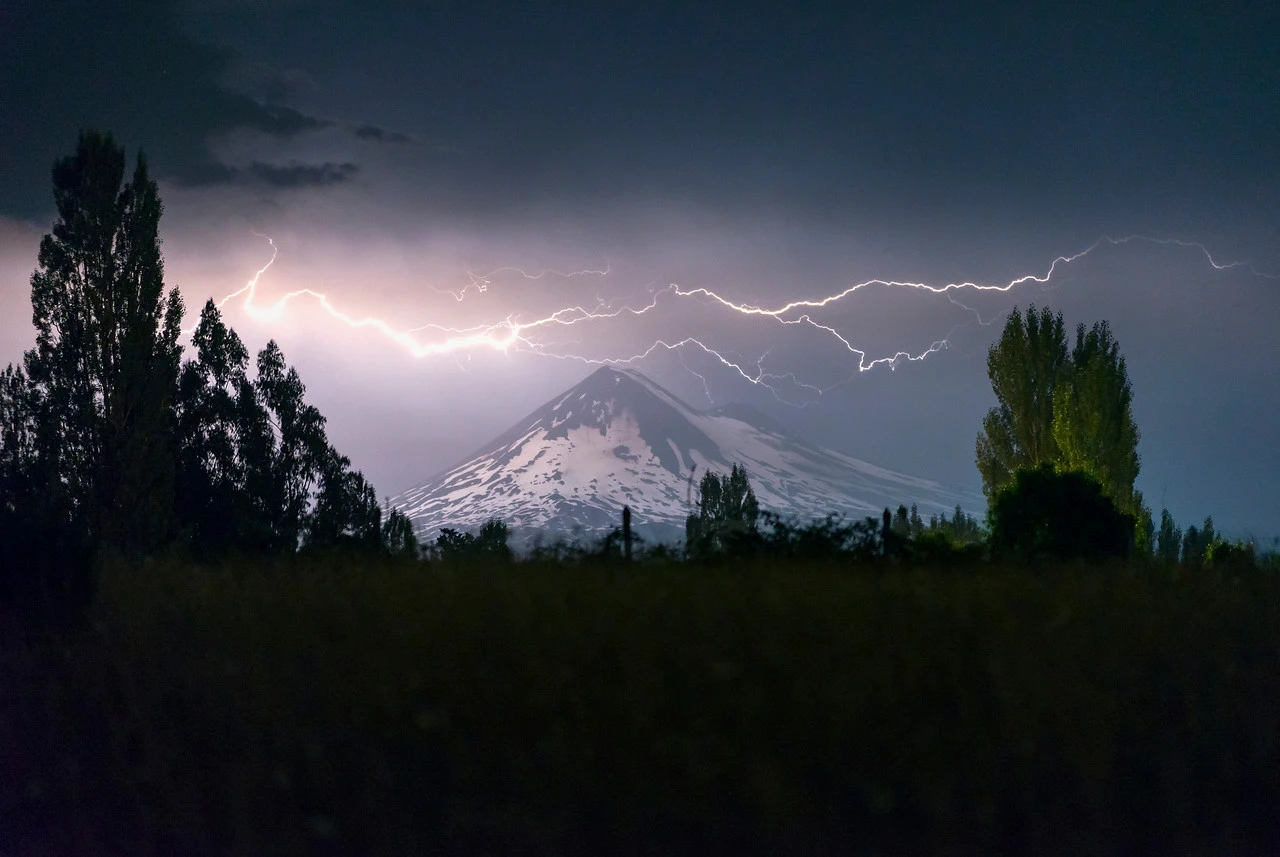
(480, 282)
(512, 333)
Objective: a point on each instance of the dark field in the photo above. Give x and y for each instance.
(323, 707)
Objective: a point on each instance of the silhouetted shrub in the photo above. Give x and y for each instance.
(934, 547)
(489, 544)
(823, 538)
(1045, 514)
(1231, 555)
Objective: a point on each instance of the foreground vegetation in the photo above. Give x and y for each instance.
(384, 707)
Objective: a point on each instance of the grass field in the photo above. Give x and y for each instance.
(324, 707)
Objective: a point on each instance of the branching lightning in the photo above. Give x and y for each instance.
(516, 333)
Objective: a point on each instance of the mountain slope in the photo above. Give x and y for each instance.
(618, 438)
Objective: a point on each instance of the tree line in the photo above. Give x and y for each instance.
(1058, 458)
(111, 441)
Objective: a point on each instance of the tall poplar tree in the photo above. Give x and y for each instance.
(1026, 367)
(1093, 423)
(105, 364)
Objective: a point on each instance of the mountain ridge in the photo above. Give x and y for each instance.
(617, 437)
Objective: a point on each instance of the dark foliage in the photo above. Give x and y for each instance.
(1232, 556)
(398, 536)
(727, 514)
(1045, 514)
(1168, 539)
(489, 544)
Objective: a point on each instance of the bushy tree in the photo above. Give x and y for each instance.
(1046, 514)
(492, 539)
(212, 498)
(961, 528)
(398, 536)
(1198, 543)
(489, 543)
(1071, 411)
(728, 512)
(1169, 539)
(299, 449)
(1231, 555)
(346, 513)
(256, 470)
(901, 524)
(915, 523)
(823, 538)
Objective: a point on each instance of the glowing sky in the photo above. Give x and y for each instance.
(472, 174)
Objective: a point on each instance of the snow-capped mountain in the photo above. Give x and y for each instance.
(617, 438)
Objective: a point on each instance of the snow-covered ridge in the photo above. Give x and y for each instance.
(617, 438)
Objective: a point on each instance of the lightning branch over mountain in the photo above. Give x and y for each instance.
(530, 333)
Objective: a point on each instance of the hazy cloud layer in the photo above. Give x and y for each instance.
(291, 175)
(381, 135)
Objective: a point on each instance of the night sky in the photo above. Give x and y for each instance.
(469, 163)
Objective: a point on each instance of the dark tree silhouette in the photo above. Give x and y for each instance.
(1169, 539)
(398, 536)
(256, 470)
(492, 539)
(915, 523)
(298, 448)
(1232, 556)
(105, 365)
(1198, 544)
(1045, 514)
(961, 528)
(212, 496)
(346, 512)
(107, 442)
(490, 543)
(727, 512)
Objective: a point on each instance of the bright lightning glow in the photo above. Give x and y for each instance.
(513, 333)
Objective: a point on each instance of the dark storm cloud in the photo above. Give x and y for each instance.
(267, 83)
(240, 111)
(301, 175)
(827, 109)
(133, 70)
(291, 175)
(381, 135)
